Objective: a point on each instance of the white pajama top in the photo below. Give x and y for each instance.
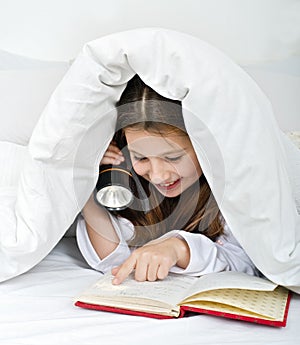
(206, 256)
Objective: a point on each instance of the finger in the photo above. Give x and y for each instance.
(124, 270)
(115, 270)
(113, 152)
(141, 270)
(113, 155)
(114, 148)
(111, 160)
(162, 272)
(152, 271)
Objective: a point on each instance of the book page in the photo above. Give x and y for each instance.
(170, 290)
(168, 294)
(229, 280)
(262, 304)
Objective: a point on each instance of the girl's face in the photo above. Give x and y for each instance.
(168, 162)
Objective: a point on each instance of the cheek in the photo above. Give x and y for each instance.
(189, 169)
(185, 171)
(140, 168)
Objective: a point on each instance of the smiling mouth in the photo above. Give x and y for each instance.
(168, 185)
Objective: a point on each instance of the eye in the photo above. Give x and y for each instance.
(139, 158)
(173, 159)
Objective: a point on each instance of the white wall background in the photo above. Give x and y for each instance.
(261, 35)
(247, 30)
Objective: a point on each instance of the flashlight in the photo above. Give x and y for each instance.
(114, 188)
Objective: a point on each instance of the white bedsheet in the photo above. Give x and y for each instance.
(37, 309)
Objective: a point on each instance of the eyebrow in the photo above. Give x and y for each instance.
(163, 154)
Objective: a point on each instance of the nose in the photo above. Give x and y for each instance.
(159, 171)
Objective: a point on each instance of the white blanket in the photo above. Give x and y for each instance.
(228, 118)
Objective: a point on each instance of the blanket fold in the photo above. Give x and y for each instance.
(229, 120)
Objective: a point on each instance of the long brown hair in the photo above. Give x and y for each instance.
(194, 210)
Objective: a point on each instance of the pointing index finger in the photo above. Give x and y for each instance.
(123, 271)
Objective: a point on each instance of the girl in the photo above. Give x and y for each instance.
(183, 230)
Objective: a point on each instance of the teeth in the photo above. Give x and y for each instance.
(166, 184)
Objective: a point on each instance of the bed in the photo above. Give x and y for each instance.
(37, 306)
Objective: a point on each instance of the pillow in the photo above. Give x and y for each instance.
(12, 160)
(25, 90)
(24, 94)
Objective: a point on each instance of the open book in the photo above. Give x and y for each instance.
(228, 294)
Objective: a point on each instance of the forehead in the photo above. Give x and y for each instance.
(154, 144)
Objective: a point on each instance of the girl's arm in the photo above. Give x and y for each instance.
(98, 233)
(99, 228)
(226, 254)
(102, 237)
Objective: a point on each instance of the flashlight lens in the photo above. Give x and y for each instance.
(114, 197)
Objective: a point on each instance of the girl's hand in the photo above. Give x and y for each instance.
(154, 260)
(112, 155)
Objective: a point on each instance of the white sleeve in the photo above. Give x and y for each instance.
(124, 230)
(207, 256)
